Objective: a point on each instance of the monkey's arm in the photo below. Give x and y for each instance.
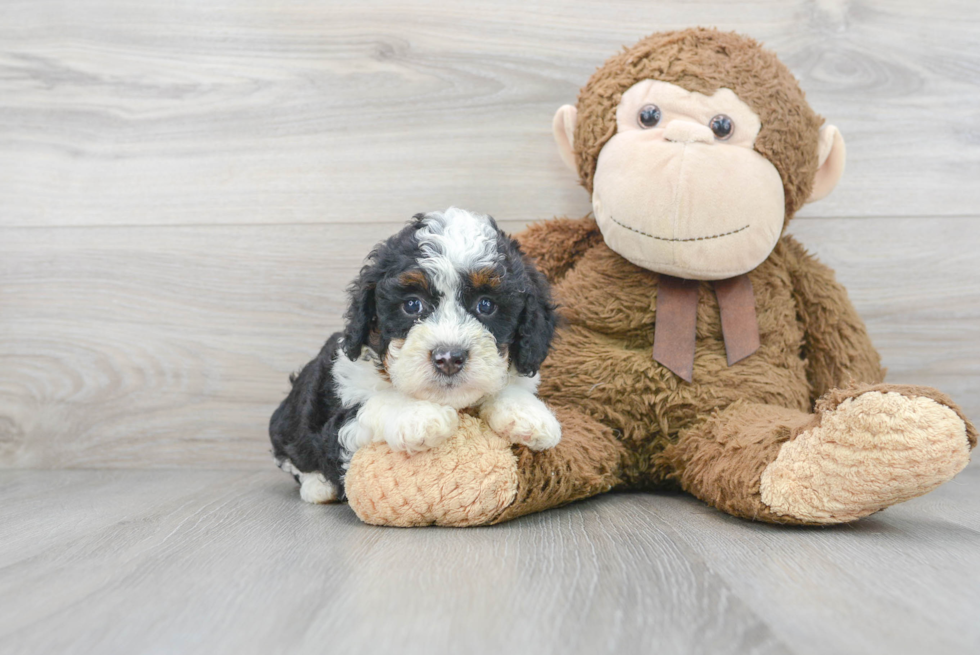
(836, 343)
(557, 244)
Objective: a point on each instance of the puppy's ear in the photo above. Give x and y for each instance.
(361, 311)
(536, 326)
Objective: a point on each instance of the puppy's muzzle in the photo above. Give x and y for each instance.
(449, 360)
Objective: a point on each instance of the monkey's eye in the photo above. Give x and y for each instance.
(485, 307)
(412, 306)
(722, 126)
(649, 116)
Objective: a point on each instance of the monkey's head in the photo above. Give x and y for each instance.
(697, 147)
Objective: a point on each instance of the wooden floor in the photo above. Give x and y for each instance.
(186, 187)
(233, 562)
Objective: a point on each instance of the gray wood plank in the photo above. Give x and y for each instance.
(165, 112)
(171, 346)
(222, 561)
(235, 562)
(954, 502)
(905, 580)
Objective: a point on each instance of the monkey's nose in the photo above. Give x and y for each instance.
(449, 360)
(680, 131)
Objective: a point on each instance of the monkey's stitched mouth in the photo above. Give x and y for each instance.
(713, 236)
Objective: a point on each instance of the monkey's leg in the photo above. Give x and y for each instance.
(586, 462)
(864, 449)
(477, 477)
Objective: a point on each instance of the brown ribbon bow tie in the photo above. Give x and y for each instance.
(677, 314)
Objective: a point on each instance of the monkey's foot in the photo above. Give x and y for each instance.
(477, 478)
(469, 479)
(866, 452)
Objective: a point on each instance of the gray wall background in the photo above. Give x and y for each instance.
(186, 189)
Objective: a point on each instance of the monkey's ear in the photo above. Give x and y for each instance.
(831, 154)
(563, 127)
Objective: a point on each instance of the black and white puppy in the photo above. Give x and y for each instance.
(446, 314)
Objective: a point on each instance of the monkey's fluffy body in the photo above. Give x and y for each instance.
(602, 363)
(601, 366)
(802, 431)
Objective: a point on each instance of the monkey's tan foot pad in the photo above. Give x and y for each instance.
(470, 479)
(870, 451)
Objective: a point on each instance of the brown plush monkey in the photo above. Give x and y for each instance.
(702, 346)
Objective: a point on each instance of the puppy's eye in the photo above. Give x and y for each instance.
(412, 306)
(722, 126)
(649, 116)
(485, 307)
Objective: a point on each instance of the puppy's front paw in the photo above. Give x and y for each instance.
(526, 422)
(421, 426)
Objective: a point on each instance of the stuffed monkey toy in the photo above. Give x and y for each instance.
(702, 347)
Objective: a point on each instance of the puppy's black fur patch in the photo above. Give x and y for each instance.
(304, 427)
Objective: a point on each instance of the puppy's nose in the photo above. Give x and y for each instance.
(449, 360)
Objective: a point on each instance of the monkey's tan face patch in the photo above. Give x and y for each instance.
(675, 197)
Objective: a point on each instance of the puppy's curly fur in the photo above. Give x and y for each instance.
(446, 314)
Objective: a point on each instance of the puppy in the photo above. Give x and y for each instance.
(446, 314)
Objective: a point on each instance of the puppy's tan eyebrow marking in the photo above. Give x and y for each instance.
(414, 279)
(485, 277)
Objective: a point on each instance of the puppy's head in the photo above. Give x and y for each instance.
(450, 305)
